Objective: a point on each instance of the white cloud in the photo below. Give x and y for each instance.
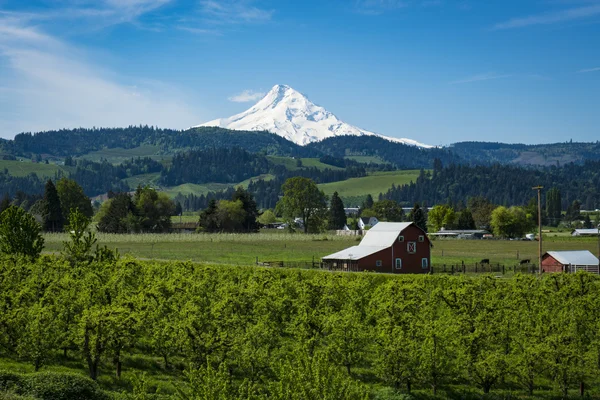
(551, 18)
(200, 31)
(480, 77)
(246, 96)
(48, 85)
(584, 71)
(234, 11)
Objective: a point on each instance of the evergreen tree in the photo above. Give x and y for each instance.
(587, 222)
(53, 219)
(72, 197)
(553, 206)
(465, 220)
(208, 218)
(20, 234)
(368, 203)
(250, 223)
(418, 217)
(337, 215)
(116, 213)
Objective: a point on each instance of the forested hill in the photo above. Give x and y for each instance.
(78, 142)
(486, 153)
(502, 184)
(401, 155)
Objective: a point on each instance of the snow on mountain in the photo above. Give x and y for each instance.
(290, 114)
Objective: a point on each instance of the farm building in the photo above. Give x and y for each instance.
(461, 233)
(569, 261)
(392, 247)
(585, 232)
(367, 222)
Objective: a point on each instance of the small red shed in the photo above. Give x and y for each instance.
(569, 261)
(392, 247)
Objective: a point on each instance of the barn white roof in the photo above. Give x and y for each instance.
(592, 231)
(354, 253)
(379, 237)
(580, 257)
(384, 234)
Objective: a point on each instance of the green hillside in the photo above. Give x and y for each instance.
(26, 167)
(291, 163)
(354, 190)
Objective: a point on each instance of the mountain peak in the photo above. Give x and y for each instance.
(290, 114)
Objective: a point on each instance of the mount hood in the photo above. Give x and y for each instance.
(291, 115)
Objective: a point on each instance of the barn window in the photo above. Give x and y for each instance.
(401, 238)
(421, 238)
(398, 263)
(411, 247)
(378, 263)
(424, 263)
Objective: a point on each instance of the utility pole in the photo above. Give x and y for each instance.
(539, 192)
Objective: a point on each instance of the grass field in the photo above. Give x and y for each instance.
(273, 245)
(367, 159)
(117, 155)
(354, 190)
(290, 163)
(143, 180)
(26, 167)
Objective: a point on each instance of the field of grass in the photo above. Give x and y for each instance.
(290, 163)
(118, 154)
(354, 190)
(26, 167)
(367, 159)
(192, 188)
(274, 245)
(143, 180)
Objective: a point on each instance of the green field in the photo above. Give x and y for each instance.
(290, 163)
(354, 190)
(143, 180)
(26, 167)
(274, 245)
(367, 159)
(117, 155)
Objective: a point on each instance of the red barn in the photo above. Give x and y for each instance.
(392, 247)
(569, 261)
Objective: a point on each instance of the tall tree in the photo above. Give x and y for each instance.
(481, 209)
(441, 216)
(388, 210)
(115, 213)
(465, 220)
(208, 218)
(553, 206)
(53, 215)
(418, 217)
(154, 210)
(72, 197)
(20, 234)
(368, 203)
(250, 223)
(302, 198)
(337, 214)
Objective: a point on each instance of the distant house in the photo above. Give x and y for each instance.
(569, 261)
(585, 232)
(392, 247)
(367, 222)
(461, 233)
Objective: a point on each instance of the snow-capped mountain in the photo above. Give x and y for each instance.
(290, 114)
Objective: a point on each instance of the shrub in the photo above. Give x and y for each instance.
(62, 386)
(9, 381)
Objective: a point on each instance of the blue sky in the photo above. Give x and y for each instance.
(438, 71)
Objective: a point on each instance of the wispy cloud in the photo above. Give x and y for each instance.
(246, 96)
(234, 11)
(585, 71)
(377, 7)
(480, 77)
(200, 31)
(52, 86)
(551, 17)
